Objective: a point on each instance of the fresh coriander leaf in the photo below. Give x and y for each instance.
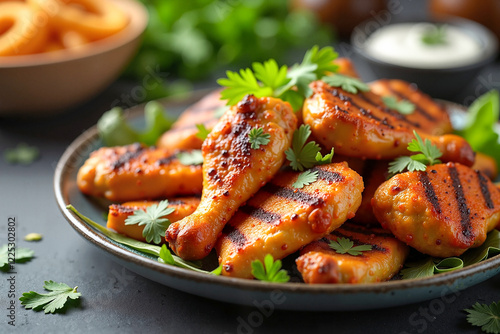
(135, 244)
(33, 237)
(194, 157)
(323, 160)
(166, 256)
(479, 131)
(302, 155)
(430, 266)
(295, 99)
(21, 255)
(488, 249)
(301, 76)
(257, 137)
(434, 35)
(402, 163)
(404, 107)
(202, 131)
(323, 58)
(22, 154)
(347, 83)
(305, 179)
(270, 271)
(270, 74)
(240, 84)
(52, 301)
(153, 220)
(345, 245)
(485, 316)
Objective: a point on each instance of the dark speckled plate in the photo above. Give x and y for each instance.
(294, 296)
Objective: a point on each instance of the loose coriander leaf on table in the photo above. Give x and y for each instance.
(347, 83)
(52, 301)
(305, 179)
(153, 220)
(22, 154)
(270, 271)
(257, 137)
(21, 255)
(302, 155)
(194, 157)
(202, 131)
(404, 107)
(485, 316)
(345, 245)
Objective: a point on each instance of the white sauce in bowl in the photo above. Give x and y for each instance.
(401, 44)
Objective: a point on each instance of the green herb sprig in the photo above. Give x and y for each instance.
(404, 107)
(153, 219)
(21, 255)
(270, 271)
(55, 299)
(304, 155)
(347, 83)
(345, 245)
(485, 316)
(257, 137)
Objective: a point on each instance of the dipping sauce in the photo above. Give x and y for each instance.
(403, 44)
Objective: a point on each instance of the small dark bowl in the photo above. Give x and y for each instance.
(441, 82)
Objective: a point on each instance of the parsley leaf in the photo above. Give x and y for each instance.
(345, 245)
(323, 58)
(417, 162)
(404, 107)
(240, 84)
(22, 154)
(270, 74)
(194, 157)
(347, 83)
(21, 255)
(257, 137)
(485, 316)
(305, 179)
(153, 219)
(202, 131)
(270, 271)
(434, 35)
(52, 301)
(302, 155)
(323, 160)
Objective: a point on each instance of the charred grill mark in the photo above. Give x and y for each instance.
(462, 204)
(176, 202)
(261, 214)
(361, 230)
(132, 152)
(358, 242)
(338, 108)
(294, 195)
(326, 175)
(235, 236)
(483, 183)
(418, 108)
(429, 191)
(393, 113)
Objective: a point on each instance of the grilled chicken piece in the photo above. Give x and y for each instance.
(346, 67)
(182, 135)
(135, 172)
(486, 164)
(442, 211)
(318, 263)
(118, 213)
(233, 171)
(359, 125)
(280, 219)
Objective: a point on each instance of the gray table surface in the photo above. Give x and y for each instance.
(116, 300)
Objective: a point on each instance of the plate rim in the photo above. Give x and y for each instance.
(88, 137)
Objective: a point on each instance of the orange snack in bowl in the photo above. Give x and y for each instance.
(22, 29)
(95, 19)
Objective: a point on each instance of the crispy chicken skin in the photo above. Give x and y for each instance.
(233, 171)
(442, 211)
(182, 135)
(359, 125)
(118, 213)
(318, 263)
(280, 219)
(135, 172)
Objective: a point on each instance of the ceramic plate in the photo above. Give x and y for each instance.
(292, 295)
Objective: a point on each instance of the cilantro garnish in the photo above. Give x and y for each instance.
(269, 79)
(194, 157)
(302, 155)
(305, 179)
(434, 35)
(21, 255)
(202, 131)
(345, 245)
(404, 107)
(52, 301)
(270, 271)
(347, 83)
(153, 219)
(485, 316)
(22, 154)
(33, 237)
(257, 137)
(418, 162)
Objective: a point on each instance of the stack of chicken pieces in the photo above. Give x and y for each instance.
(249, 208)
